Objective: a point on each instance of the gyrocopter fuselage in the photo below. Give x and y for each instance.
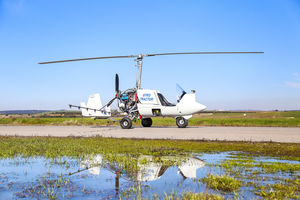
(138, 103)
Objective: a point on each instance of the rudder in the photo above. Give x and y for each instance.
(94, 101)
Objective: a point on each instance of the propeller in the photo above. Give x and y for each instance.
(140, 56)
(117, 92)
(117, 83)
(110, 102)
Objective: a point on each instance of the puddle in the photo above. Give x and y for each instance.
(104, 177)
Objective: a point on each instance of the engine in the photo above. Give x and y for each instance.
(128, 102)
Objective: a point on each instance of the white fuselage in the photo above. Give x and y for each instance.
(152, 103)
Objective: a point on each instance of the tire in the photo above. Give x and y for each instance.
(181, 122)
(126, 123)
(147, 122)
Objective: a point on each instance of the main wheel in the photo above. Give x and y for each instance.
(147, 122)
(126, 123)
(181, 122)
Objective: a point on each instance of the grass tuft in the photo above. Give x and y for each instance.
(223, 183)
(278, 191)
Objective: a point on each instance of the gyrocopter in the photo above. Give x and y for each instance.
(138, 103)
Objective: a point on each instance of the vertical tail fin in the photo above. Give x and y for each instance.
(94, 101)
(92, 109)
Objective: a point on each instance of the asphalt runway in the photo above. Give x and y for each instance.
(257, 134)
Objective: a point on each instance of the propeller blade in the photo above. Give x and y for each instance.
(224, 52)
(109, 103)
(117, 83)
(81, 59)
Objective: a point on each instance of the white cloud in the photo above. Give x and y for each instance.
(293, 84)
(296, 75)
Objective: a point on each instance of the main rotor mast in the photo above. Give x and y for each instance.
(139, 66)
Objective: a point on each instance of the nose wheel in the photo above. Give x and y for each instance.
(126, 123)
(146, 122)
(181, 122)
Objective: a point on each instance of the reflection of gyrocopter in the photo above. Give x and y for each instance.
(147, 169)
(139, 103)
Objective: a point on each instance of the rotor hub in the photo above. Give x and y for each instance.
(140, 56)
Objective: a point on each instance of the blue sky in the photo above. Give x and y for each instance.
(33, 31)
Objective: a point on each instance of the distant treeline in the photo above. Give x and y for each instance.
(13, 112)
(245, 111)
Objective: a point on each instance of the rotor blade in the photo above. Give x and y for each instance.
(117, 83)
(224, 52)
(81, 59)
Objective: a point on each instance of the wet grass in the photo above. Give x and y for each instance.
(259, 174)
(268, 178)
(125, 153)
(48, 188)
(193, 196)
(51, 147)
(222, 183)
(278, 191)
(229, 185)
(267, 167)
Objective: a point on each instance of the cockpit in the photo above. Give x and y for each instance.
(164, 101)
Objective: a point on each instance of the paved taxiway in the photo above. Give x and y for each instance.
(275, 134)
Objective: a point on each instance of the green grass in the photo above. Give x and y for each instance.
(222, 183)
(258, 174)
(266, 167)
(243, 122)
(258, 114)
(278, 191)
(193, 196)
(197, 121)
(48, 187)
(268, 118)
(77, 147)
(52, 121)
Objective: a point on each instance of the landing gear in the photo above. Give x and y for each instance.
(147, 122)
(126, 123)
(181, 122)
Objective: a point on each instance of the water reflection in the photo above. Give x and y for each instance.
(188, 168)
(93, 164)
(145, 168)
(129, 177)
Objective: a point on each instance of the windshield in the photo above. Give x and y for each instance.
(180, 92)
